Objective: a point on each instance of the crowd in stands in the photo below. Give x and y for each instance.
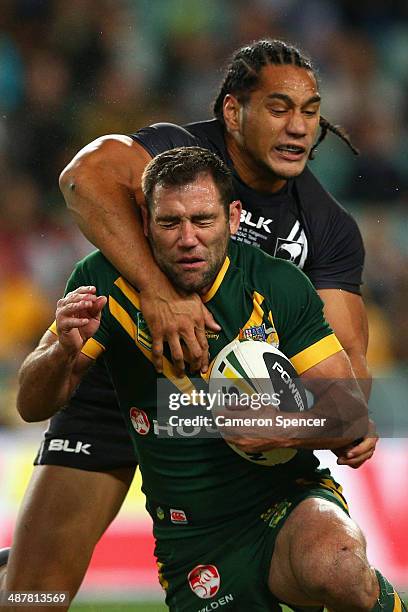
(73, 70)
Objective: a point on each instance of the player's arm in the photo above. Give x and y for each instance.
(346, 315)
(338, 417)
(51, 373)
(102, 186)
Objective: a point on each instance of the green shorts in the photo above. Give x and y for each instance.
(227, 568)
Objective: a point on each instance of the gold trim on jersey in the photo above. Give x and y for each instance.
(257, 313)
(92, 348)
(317, 352)
(397, 603)
(336, 489)
(183, 384)
(218, 280)
(129, 291)
(273, 336)
(162, 580)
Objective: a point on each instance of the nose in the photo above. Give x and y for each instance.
(188, 235)
(296, 124)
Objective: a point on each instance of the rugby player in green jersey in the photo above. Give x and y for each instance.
(229, 533)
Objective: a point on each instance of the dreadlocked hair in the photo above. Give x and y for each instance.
(326, 126)
(243, 73)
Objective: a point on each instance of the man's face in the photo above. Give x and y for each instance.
(188, 231)
(276, 129)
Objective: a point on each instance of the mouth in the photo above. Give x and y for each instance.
(191, 263)
(291, 152)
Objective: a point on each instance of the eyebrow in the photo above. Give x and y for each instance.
(289, 101)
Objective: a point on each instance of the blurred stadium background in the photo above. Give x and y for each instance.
(73, 70)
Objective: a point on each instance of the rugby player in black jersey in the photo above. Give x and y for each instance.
(267, 124)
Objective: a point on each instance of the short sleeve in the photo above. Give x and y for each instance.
(161, 137)
(338, 255)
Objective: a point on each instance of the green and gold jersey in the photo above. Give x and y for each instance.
(197, 482)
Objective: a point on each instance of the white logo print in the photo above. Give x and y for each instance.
(294, 248)
(204, 581)
(140, 421)
(63, 446)
(262, 222)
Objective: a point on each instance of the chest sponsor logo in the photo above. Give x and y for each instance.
(259, 223)
(178, 516)
(64, 446)
(140, 422)
(204, 581)
(143, 332)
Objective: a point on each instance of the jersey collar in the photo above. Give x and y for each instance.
(218, 280)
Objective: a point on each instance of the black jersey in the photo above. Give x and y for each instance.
(302, 223)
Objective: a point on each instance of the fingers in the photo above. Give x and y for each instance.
(357, 455)
(177, 354)
(157, 353)
(78, 308)
(209, 321)
(180, 321)
(356, 462)
(195, 349)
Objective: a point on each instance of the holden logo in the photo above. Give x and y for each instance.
(140, 421)
(204, 581)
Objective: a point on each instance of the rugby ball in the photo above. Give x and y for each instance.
(254, 368)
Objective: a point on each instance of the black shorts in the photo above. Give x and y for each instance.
(90, 432)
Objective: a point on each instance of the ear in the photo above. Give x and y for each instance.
(231, 110)
(145, 219)
(235, 216)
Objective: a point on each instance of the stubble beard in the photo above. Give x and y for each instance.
(197, 283)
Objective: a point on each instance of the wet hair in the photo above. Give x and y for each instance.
(182, 166)
(243, 75)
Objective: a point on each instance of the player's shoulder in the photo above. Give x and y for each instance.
(317, 202)
(163, 136)
(263, 272)
(96, 266)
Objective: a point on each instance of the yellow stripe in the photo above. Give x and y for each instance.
(129, 291)
(257, 313)
(397, 603)
(327, 483)
(92, 348)
(274, 337)
(316, 353)
(254, 320)
(216, 284)
(163, 582)
(184, 384)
